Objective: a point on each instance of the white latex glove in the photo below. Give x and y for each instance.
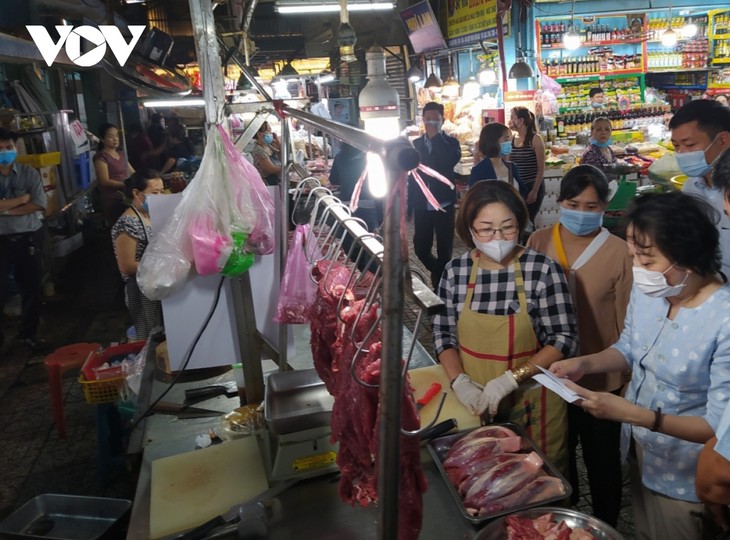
(468, 393)
(494, 391)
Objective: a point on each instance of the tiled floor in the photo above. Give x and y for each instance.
(88, 305)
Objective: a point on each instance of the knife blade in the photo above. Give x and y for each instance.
(184, 411)
(235, 511)
(434, 389)
(194, 395)
(439, 429)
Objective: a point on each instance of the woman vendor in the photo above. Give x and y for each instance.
(598, 267)
(111, 168)
(266, 155)
(598, 153)
(508, 310)
(676, 341)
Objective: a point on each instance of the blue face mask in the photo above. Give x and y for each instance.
(600, 144)
(694, 163)
(146, 206)
(580, 223)
(505, 148)
(268, 138)
(7, 157)
(596, 105)
(433, 123)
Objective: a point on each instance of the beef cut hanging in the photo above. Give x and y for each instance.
(355, 409)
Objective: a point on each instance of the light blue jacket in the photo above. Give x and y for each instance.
(682, 366)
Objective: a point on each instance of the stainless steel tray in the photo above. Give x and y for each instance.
(497, 530)
(440, 446)
(64, 517)
(296, 401)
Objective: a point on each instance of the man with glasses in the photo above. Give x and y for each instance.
(441, 152)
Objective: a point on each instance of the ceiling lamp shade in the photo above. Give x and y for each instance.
(451, 87)
(571, 39)
(521, 69)
(328, 6)
(669, 37)
(433, 82)
(487, 76)
(414, 74)
(288, 71)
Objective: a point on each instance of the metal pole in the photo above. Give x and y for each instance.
(208, 51)
(390, 369)
(284, 227)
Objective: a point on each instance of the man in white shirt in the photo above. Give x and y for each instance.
(700, 135)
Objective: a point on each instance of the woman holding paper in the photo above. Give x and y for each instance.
(508, 311)
(676, 341)
(598, 267)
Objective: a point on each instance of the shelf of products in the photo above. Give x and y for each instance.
(719, 24)
(572, 124)
(574, 97)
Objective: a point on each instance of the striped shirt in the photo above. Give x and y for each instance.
(548, 300)
(526, 160)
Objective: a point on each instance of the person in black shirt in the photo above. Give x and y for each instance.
(179, 148)
(158, 136)
(441, 152)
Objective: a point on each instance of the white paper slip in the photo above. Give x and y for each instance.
(551, 382)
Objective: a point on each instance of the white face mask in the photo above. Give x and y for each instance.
(495, 249)
(654, 284)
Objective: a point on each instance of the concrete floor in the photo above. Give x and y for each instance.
(88, 305)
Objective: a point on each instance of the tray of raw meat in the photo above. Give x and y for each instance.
(548, 522)
(495, 470)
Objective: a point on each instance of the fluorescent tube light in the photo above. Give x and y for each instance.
(175, 103)
(303, 7)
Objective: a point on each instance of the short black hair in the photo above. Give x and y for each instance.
(721, 174)
(489, 138)
(7, 135)
(433, 106)
(139, 181)
(480, 195)
(577, 179)
(595, 91)
(681, 226)
(711, 116)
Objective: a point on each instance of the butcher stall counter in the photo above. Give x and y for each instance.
(311, 508)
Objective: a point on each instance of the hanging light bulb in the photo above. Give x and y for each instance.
(669, 37)
(487, 76)
(472, 89)
(451, 86)
(433, 82)
(571, 39)
(689, 30)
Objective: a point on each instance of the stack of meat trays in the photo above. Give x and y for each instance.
(496, 470)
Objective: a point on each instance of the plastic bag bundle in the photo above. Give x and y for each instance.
(252, 197)
(298, 292)
(212, 228)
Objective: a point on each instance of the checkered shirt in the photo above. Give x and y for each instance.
(548, 300)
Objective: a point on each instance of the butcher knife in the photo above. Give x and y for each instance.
(236, 511)
(193, 395)
(439, 429)
(184, 411)
(434, 389)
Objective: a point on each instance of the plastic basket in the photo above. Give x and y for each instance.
(40, 160)
(99, 392)
(102, 385)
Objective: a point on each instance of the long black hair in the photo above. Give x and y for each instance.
(529, 118)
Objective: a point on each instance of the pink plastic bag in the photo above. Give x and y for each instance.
(298, 292)
(252, 197)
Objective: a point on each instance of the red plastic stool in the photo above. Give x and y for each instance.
(60, 360)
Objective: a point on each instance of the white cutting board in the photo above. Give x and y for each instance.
(189, 489)
(422, 379)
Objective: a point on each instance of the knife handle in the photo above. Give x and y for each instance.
(434, 389)
(201, 531)
(439, 429)
(197, 394)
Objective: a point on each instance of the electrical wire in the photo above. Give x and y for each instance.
(188, 356)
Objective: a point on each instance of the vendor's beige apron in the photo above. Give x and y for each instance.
(492, 344)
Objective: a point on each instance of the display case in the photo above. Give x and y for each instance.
(719, 34)
(611, 54)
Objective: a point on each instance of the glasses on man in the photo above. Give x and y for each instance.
(488, 232)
